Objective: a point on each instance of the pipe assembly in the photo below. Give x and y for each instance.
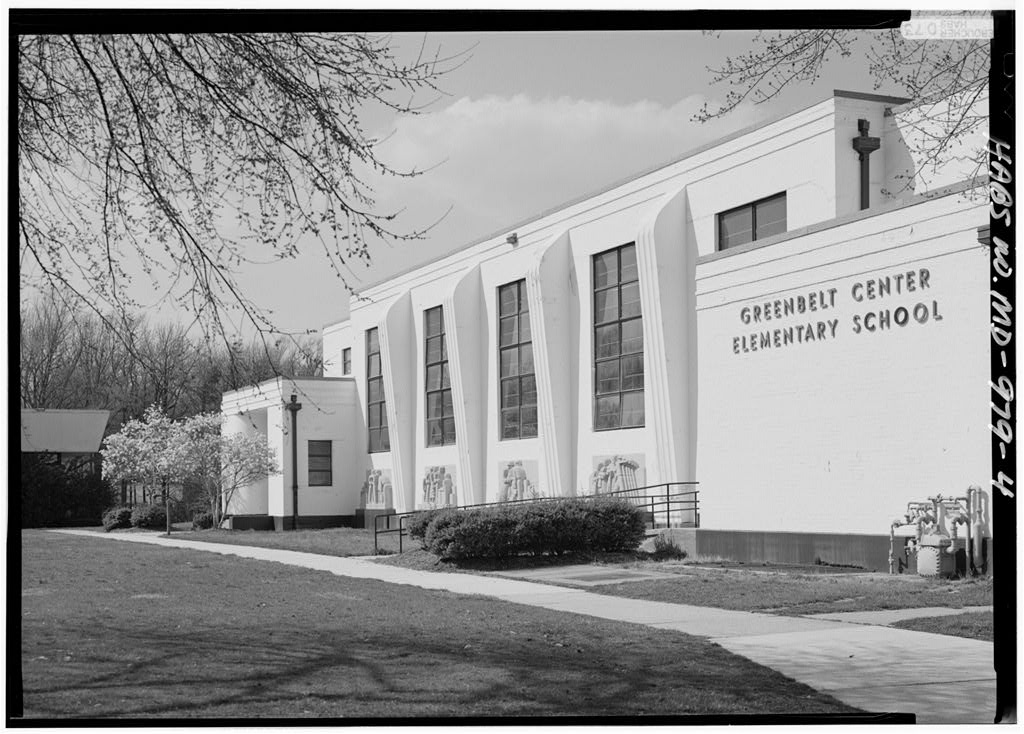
(935, 533)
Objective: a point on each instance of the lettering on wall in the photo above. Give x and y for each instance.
(894, 301)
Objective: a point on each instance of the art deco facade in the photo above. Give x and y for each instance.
(803, 334)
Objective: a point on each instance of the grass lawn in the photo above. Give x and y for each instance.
(746, 588)
(976, 625)
(754, 588)
(795, 593)
(422, 560)
(117, 630)
(326, 542)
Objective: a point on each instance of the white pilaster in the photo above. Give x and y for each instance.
(464, 311)
(395, 335)
(666, 261)
(549, 293)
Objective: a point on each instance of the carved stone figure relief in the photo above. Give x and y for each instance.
(439, 487)
(616, 473)
(376, 490)
(516, 482)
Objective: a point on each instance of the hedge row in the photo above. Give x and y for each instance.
(576, 525)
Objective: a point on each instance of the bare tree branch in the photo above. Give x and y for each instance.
(180, 158)
(943, 78)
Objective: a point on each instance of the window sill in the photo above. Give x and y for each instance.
(617, 428)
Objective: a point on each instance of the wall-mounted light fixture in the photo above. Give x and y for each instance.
(512, 239)
(865, 146)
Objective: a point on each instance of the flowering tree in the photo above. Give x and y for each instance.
(162, 454)
(147, 451)
(222, 464)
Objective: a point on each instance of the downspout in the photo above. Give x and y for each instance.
(892, 546)
(970, 546)
(294, 407)
(975, 525)
(865, 146)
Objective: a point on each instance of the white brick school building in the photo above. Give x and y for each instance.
(803, 334)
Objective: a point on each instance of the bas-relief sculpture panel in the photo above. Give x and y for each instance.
(616, 473)
(438, 488)
(517, 480)
(377, 490)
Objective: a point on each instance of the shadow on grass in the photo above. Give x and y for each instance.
(171, 633)
(266, 673)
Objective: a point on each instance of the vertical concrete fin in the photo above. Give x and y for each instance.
(664, 253)
(395, 334)
(549, 295)
(463, 306)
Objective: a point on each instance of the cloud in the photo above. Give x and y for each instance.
(502, 159)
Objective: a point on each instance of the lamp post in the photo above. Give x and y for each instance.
(294, 407)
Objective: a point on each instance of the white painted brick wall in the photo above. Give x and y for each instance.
(838, 435)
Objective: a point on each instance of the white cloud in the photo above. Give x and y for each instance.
(502, 159)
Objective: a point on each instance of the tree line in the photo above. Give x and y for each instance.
(70, 359)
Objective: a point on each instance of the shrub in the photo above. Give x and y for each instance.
(417, 524)
(615, 525)
(117, 517)
(666, 549)
(202, 521)
(440, 532)
(149, 516)
(562, 526)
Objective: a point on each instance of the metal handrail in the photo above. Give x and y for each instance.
(670, 502)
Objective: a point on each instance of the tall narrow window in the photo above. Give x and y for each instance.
(440, 411)
(515, 360)
(753, 221)
(346, 361)
(376, 410)
(618, 341)
(320, 464)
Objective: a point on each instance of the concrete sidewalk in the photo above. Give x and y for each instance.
(891, 616)
(941, 679)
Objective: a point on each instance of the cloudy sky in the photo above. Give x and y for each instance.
(529, 121)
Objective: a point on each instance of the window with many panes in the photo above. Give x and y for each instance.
(440, 411)
(618, 341)
(376, 409)
(753, 221)
(320, 464)
(515, 360)
(346, 361)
